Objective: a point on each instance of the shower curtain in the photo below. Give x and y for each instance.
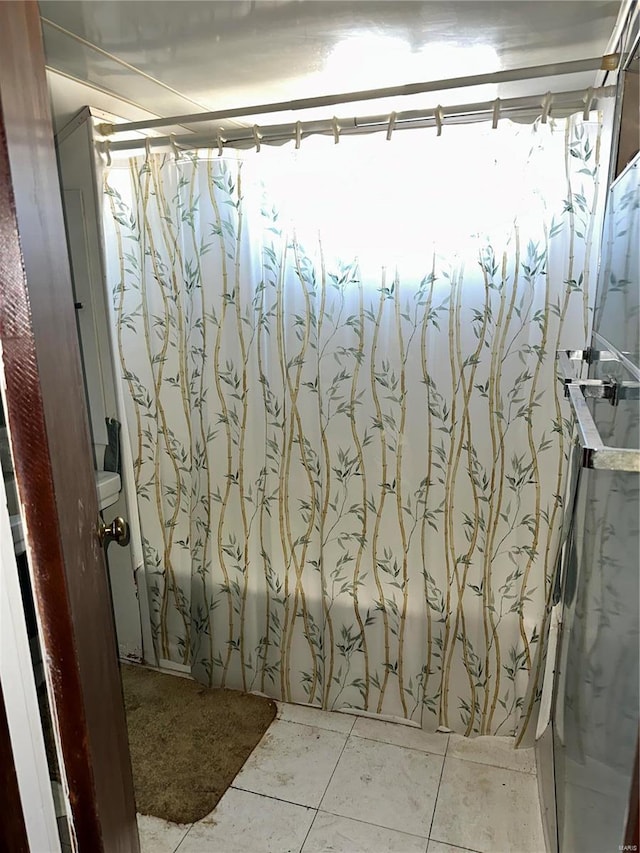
(349, 441)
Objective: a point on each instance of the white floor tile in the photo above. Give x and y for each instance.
(498, 751)
(308, 716)
(488, 809)
(439, 847)
(332, 834)
(400, 735)
(292, 762)
(248, 823)
(159, 836)
(387, 785)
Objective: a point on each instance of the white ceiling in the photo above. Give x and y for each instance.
(171, 58)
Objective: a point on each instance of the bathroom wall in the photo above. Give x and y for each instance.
(82, 206)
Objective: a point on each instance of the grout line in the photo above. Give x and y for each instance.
(333, 771)
(435, 803)
(304, 841)
(533, 773)
(267, 797)
(401, 745)
(455, 846)
(343, 714)
(376, 825)
(489, 764)
(309, 726)
(183, 838)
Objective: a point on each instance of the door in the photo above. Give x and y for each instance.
(75, 154)
(596, 691)
(47, 420)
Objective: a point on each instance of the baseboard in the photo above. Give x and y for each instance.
(171, 666)
(167, 667)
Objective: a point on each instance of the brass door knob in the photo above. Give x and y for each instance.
(117, 531)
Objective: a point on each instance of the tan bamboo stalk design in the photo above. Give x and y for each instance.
(225, 413)
(589, 235)
(263, 550)
(460, 435)
(282, 477)
(167, 541)
(243, 429)
(383, 489)
(403, 533)
(496, 507)
(535, 468)
(172, 245)
(550, 529)
(423, 528)
(561, 460)
(455, 453)
(567, 297)
(326, 609)
(299, 564)
(563, 313)
(443, 712)
(121, 357)
(363, 477)
(285, 525)
(489, 624)
(467, 390)
(203, 431)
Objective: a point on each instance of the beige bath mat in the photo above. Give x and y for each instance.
(187, 741)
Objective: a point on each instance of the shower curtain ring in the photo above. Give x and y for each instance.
(336, 130)
(439, 116)
(588, 100)
(391, 125)
(546, 107)
(106, 147)
(256, 137)
(496, 113)
(147, 148)
(298, 134)
(220, 142)
(174, 146)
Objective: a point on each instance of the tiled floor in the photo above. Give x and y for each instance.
(321, 782)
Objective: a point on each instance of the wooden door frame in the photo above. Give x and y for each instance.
(46, 413)
(25, 757)
(632, 829)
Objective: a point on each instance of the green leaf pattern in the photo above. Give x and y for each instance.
(350, 476)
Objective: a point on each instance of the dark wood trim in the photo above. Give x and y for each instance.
(13, 832)
(46, 412)
(33, 476)
(632, 831)
(629, 134)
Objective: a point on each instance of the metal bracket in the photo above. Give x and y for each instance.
(602, 389)
(590, 355)
(595, 453)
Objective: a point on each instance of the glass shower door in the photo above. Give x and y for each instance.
(596, 689)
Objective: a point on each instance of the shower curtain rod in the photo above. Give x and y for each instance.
(462, 113)
(577, 66)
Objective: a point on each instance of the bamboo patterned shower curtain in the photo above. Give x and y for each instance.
(350, 444)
